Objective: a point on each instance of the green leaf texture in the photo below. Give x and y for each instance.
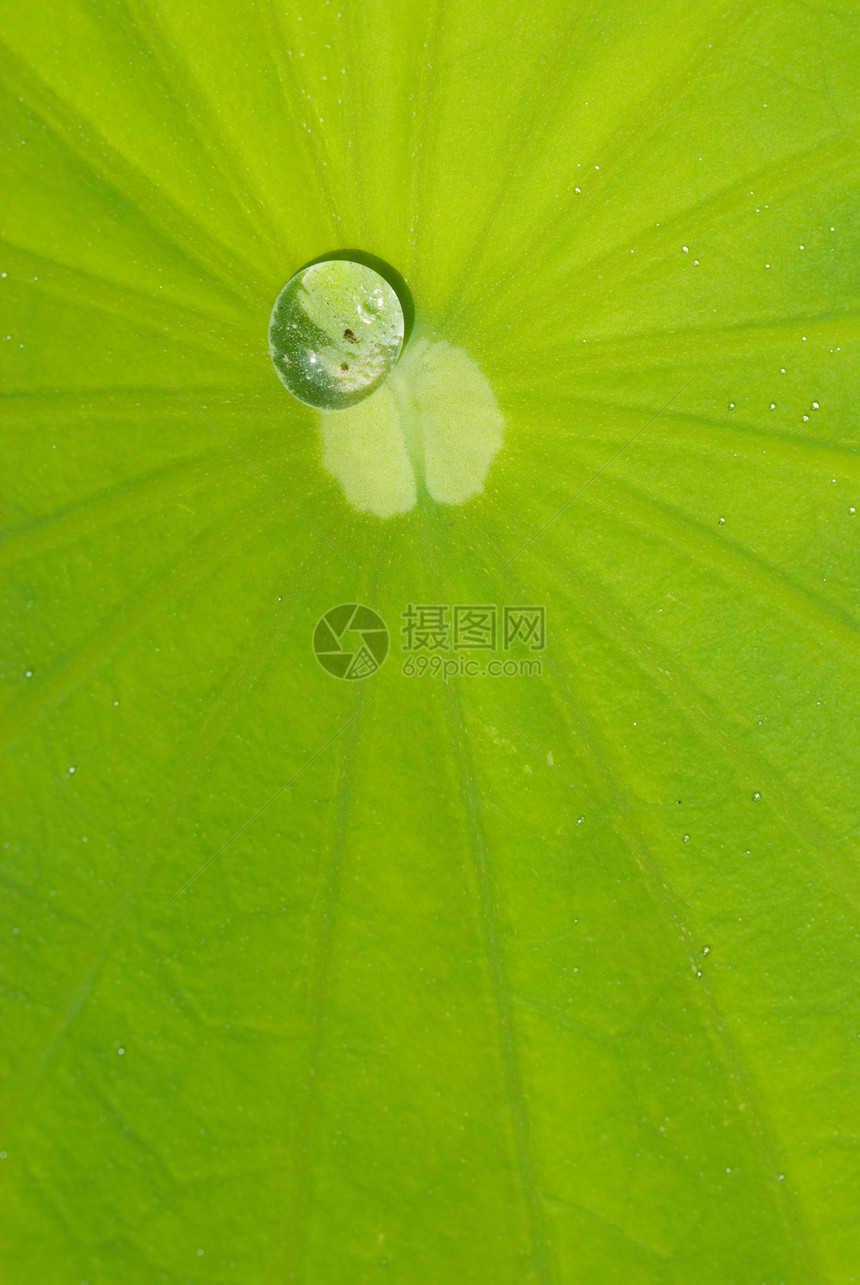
(548, 979)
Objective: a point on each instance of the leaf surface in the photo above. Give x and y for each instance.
(546, 977)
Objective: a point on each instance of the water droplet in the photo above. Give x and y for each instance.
(336, 333)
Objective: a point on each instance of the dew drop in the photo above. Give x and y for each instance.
(336, 333)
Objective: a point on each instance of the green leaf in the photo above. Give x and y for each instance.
(536, 977)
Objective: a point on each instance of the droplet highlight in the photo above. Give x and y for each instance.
(336, 333)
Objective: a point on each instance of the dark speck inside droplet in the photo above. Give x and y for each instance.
(344, 366)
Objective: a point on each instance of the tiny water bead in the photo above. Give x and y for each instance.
(336, 333)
